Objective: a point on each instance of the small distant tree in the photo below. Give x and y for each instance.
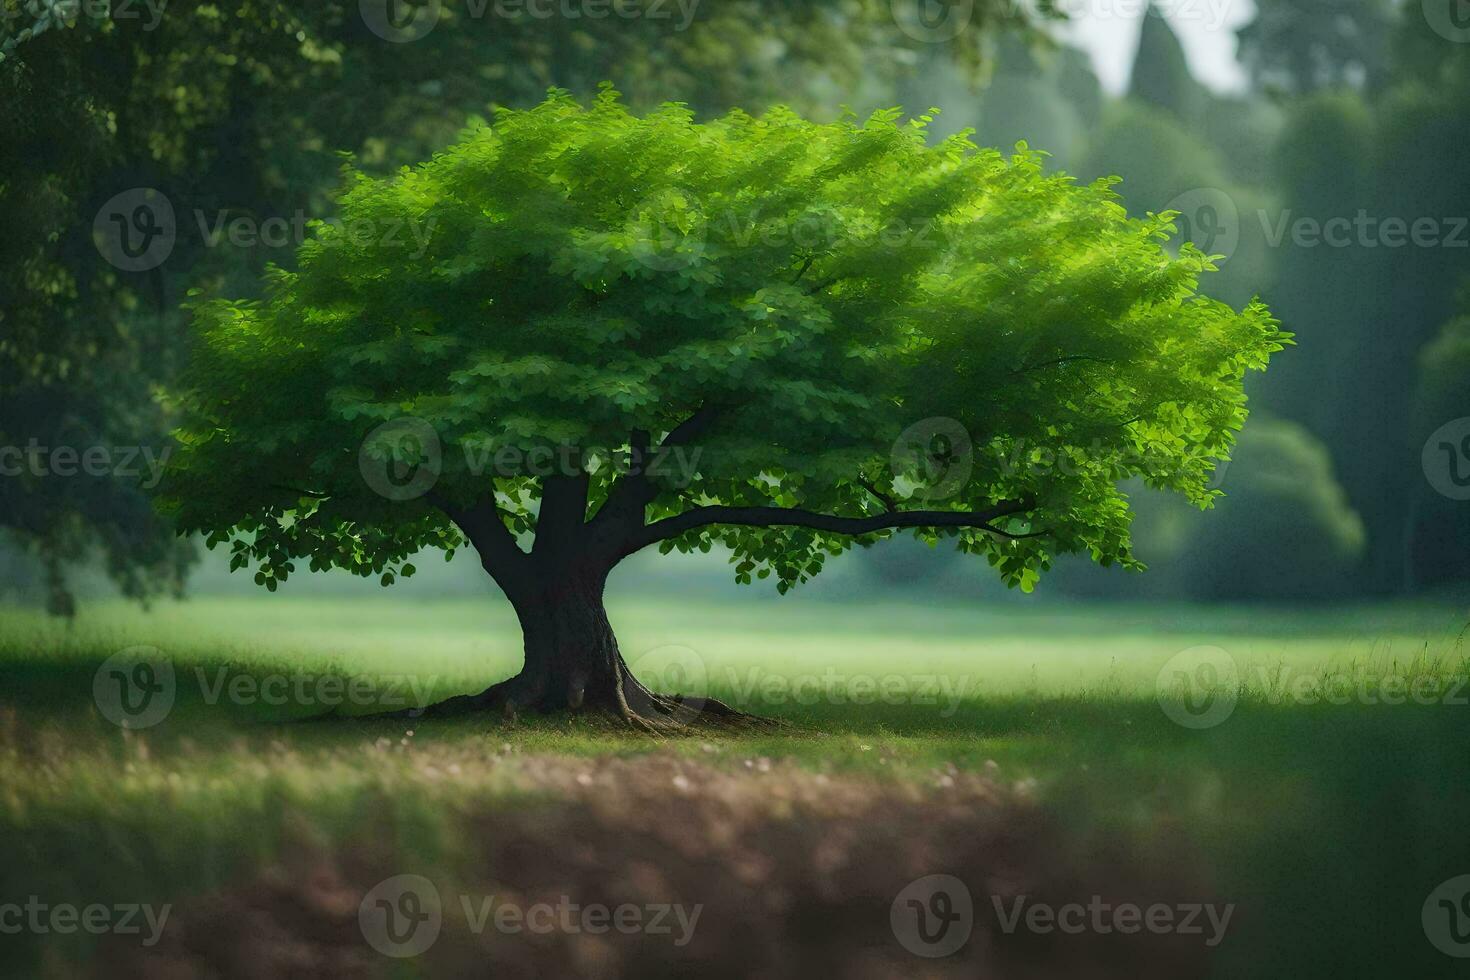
(767, 334)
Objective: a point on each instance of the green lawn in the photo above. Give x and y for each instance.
(1324, 813)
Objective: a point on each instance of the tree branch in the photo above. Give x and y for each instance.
(672, 527)
(1062, 360)
(634, 491)
(499, 553)
(883, 498)
(315, 494)
(802, 271)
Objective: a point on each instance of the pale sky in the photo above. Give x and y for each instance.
(1108, 31)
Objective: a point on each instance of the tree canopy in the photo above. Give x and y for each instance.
(236, 112)
(792, 299)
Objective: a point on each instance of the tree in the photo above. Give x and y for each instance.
(1298, 47)
(1161, 75)
(630, 332)
(1285, 530)
(1437, 537)
(236, 112)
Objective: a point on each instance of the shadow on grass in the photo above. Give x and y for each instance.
(1327, 825)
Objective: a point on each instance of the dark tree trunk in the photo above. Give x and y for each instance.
(572, 661)
(572, 656)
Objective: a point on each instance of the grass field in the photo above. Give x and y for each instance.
(1025, 751)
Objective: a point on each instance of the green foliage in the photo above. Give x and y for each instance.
(237, 111)
(819, 287)
(1444, 364)
(1438, 536)
(1285, 529)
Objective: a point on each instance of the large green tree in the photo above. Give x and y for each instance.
(236, 111)
(768, 334)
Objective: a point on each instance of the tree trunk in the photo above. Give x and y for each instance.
(572, 656)
(572, 662)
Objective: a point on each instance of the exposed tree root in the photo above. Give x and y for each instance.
(627, 700)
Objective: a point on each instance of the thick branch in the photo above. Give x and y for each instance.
(671, 527)
(481, 523)
(563, 512)
(634, 491)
